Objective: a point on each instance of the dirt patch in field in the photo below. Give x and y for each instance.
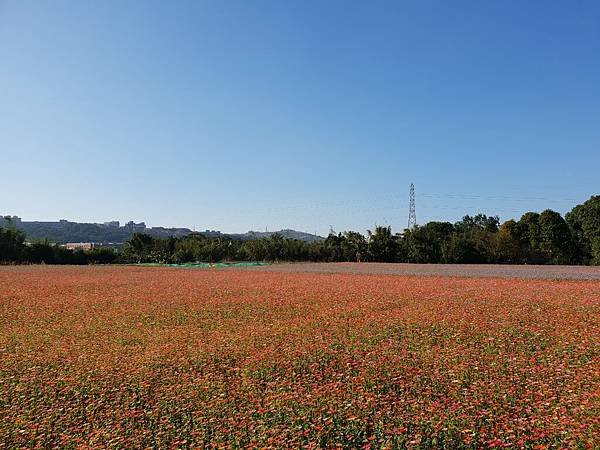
(456, 270)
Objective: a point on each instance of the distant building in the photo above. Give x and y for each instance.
(112, 224)
(135, 227)
(79, 245)
(15, 220)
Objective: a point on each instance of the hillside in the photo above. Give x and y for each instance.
(65, 231)
(288, 234)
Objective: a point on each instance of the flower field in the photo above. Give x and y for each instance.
(129, 357)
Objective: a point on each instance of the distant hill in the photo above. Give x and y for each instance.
(288, 234)
(65, 231)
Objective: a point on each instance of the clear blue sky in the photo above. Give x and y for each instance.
(238, 115)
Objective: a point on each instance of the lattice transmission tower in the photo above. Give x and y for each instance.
(412, 214)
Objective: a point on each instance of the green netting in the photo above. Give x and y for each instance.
(207, 265)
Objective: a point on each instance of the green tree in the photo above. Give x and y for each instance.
(382, 245)
(461, 248)
(253, 250)
(139, 248)
(555, 237)
(530, 238)
(101, 255)
(473, 241)
(424, 244)
(43, 252)
(188, 248)
(596, 251)
(479, 222)
(584, 221)
(333, 247)
(506, 244)
(354, 247)
(12, 245)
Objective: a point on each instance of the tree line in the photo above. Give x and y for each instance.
(536, 238)
(14, 249)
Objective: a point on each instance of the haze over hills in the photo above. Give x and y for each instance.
(65, 231)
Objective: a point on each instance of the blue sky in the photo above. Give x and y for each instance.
(238, 115)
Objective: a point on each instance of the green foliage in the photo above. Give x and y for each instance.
(584, 221)
(478, 222)
(530, 237)
(555, 238)
(12, 245)
(42, 252)
(101, 255)
(14, 249)
(461, 248)
(354, 247)
(424, 244)
(383, 246)
(596, 251)
(506, 244)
